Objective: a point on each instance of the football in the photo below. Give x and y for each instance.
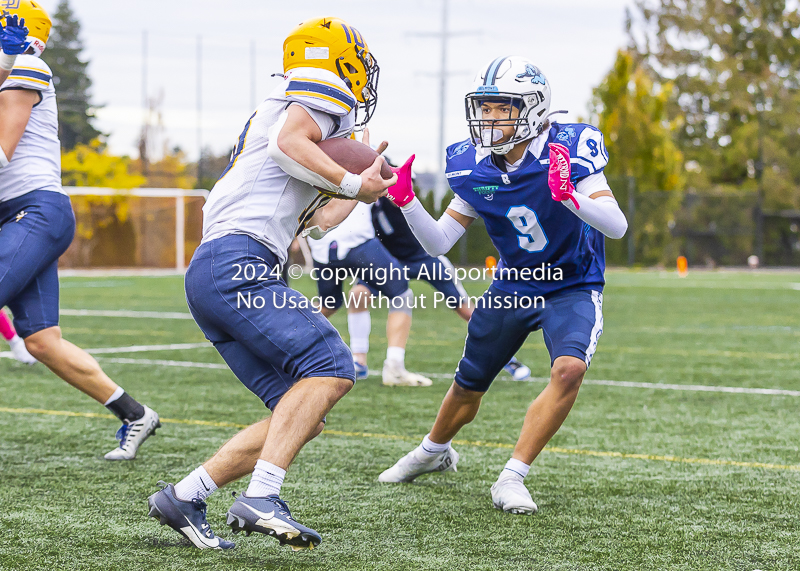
(354, 156)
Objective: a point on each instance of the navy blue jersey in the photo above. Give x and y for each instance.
(528, 228)
(394, 232)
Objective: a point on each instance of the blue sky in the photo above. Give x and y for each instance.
(573, 41)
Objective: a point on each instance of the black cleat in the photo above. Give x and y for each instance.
(187, 518)
(271, 516)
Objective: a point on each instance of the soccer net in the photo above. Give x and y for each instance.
(137, 228)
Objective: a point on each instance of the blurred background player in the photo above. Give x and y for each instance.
(283, 351)
(352, 246)
(535, 216)
(16, 343)
(37, 225)
(396, 236)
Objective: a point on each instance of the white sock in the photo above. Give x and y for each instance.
(117, 393)
(515, 469)
(396, 354)
(359, 325)
(266, 481)
(198, 484)
(431, 448)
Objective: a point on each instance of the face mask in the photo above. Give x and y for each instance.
(490, 136)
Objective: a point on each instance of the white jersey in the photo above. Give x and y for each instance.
(255, 196)
(353, 231)
(36, 163)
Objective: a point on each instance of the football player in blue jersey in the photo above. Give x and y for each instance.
(540, 189)
(395, 234)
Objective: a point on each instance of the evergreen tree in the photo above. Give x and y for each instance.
(72, 83)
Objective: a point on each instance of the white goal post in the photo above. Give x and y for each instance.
(179, 194)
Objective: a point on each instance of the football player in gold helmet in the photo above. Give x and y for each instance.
(24, 29)
(284, 351)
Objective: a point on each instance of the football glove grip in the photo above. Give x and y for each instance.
(14, 37)
(436, 236)
(402, 192)
(558, 175)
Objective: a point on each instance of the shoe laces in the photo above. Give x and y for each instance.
(284, 509)
(122, 434)
(203, 507)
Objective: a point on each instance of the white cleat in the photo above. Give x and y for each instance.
(395, 375)
(511, 496)
(20, 352)
(413, 464)
(133, 434)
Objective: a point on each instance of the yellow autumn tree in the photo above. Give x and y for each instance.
(630, 108)
(92, 165)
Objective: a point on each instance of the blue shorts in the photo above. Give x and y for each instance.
(381, 272)
(571, 323)
(277, 340)
(35, 229)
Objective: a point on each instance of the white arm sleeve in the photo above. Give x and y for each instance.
(436, 236)
(288, 164)
(602, 213)
(462, 207)
(592, 183)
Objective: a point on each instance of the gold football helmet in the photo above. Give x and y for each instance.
(36, 20)
(333, 45)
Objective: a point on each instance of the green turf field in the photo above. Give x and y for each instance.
(638, 478)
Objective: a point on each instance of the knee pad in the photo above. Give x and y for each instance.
(403, 303)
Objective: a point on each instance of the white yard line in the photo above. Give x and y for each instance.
(146, 348)
(135, 314)
(183, 364)
(442, 376)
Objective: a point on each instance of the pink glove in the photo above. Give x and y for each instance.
(558, 180)
(403, 192)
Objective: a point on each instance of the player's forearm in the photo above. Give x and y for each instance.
(332, 214)
(436, 236)
(306, 153)
(301, 158)
(4, 73)
(602, 213)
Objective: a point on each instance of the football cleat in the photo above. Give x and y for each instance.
(517, 370)
(133, 434)
(271, 516)
(362, 371)
(20, 353)
(395, 375)
(186, 517)
(416, 463)
(511, 496)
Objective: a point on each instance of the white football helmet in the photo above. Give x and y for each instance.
(514, 79)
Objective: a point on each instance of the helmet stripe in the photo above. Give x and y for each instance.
(347, 33)
(491, 75)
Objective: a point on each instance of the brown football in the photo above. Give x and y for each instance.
(354, 156)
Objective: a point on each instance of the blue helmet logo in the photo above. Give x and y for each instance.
(532, 72)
